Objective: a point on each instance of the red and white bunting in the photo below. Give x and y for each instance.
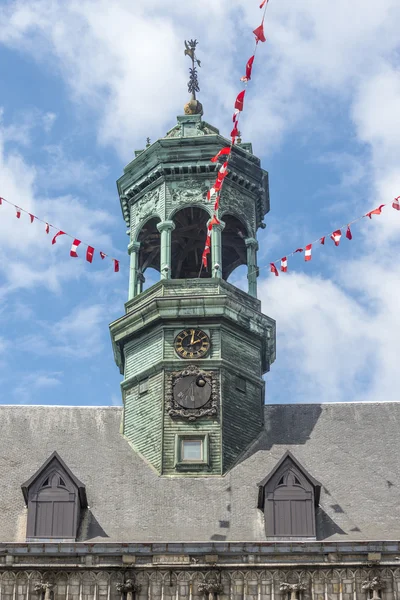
(298, 250)
(32, 217)
(322, 241)
(396, 203)
(274, 270)
(17, 212)
(54, 240)
(336, 236)
(239, 102)
(349, 235)
(89, 254)
(263, 3)
(259, 33)
(223, 172)
(116, 265)
(74, 247)
(47, 228)
(1, 200)
(284, 264)
(214, 221)
(102, 255)
(376, 211)
(224, 152)
(249, 68)
(307, 255)
(206, 251)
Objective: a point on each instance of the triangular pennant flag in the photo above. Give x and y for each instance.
(263, 3)
(206, 251)
(47, 228)
(298, 250)
(307, 255)
(17, 212)
(102, 255)
(54, 240)
(249, 68)
(116, 265)
(396, 203)
(240, 101)
(336, 235)
(1, 200)
(216, 205)
(235, 117)
(89, 253)
(74, 246)
(259, 33)
(349, 235)
(376, 211)
(223, 152)
(211, 193)
(322, 240)
(223, 172)
(274, 270)
(32, 217)
(235, 132)
(284, 264)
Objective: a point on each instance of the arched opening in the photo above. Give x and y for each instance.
(234, 252)
(149, 253)
(238, 278)
(188, 240)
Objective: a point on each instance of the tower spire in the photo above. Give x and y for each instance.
(193, 107)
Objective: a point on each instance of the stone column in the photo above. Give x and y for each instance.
(252, 269)
(140, 282)
(165, 228)
(216, 249)
(133, 251)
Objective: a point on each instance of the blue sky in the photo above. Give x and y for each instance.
(84, 83)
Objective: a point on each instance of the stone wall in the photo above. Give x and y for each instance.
(174, 583)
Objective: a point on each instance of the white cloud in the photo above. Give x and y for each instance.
(30, 385)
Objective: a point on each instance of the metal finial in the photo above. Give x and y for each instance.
(239, 138)
(190, 50)
(148, 142)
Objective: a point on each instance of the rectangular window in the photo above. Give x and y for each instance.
(241, 384)
(143, 386)
(192, 450)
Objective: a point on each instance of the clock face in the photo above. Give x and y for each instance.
(192, 391)
(192, 343)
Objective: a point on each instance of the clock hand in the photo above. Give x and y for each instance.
(192, 338)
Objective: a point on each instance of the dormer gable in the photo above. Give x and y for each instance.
(54, 497)
(288, 497)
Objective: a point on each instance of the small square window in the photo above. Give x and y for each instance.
(192, 450)
(144, 386)
(241, 384)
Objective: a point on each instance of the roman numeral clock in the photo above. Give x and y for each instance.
(192, 392)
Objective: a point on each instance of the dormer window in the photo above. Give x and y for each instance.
(55, 498)
(288, 496)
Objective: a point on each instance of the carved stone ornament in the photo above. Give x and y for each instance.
(210, 409)
(211, 588)
(376, 585)
(294, 589)
(128, 588)
(191, 191)
(44, 590)
(148, 205)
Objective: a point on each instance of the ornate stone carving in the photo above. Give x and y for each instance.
(375, 585)
(294, 589)
(148, 204)
(208, 410)
(191, 191)
(211, 589)
(128, 588)
(44, 589)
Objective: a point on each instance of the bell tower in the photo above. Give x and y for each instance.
(192, 348)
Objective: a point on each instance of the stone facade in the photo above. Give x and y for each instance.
(329, 571)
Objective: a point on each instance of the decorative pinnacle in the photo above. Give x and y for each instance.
(193, 106)
(148, 142)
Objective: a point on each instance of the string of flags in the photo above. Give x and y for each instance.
(335, 236)
(90, 250)
(225, 153)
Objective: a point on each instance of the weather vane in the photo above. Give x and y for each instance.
(190, 50)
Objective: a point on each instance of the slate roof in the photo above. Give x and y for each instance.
(351, 449)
